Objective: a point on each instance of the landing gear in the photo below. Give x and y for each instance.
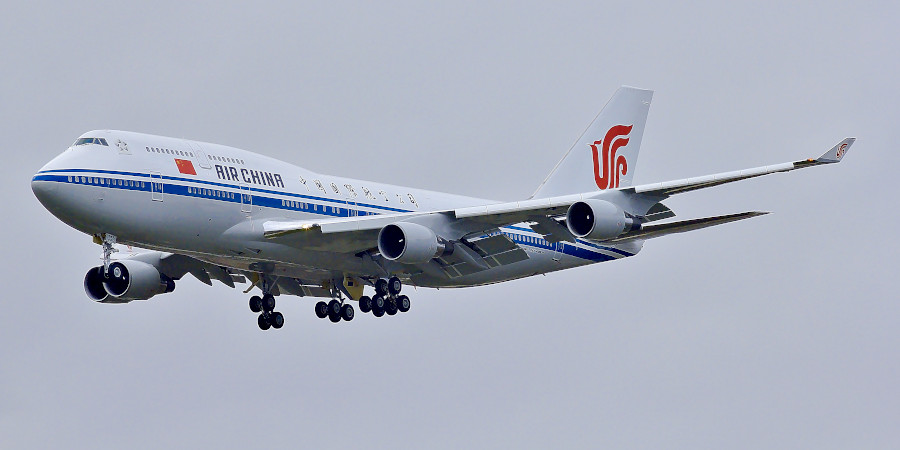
(378, 301)
(365, 304)
(336, 310)
(386, 299)
(263, 322)
(347, 312)
(391, 307)
(108, 241)
(381, 286)
(268, 302)
(394, 286)
(322, 310)
(273, 320)
(403, 303)
(265, 305)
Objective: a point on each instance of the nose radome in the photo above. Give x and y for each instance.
(44, 190)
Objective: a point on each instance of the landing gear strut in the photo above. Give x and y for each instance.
(269, 318)
(109, 247)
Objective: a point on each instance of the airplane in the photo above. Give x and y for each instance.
(225, 214)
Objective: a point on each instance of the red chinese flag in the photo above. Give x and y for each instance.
(185, 166)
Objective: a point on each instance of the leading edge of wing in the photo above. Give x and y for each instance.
(833, 155)
(279, 228)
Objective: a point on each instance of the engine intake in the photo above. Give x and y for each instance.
(410, 243)
(127, 280)
(599, 220)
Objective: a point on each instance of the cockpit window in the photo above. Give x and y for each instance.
(86, 141)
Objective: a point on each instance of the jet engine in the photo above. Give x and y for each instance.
(93, 287)
(598, 220)
(125, 281)
(410, 243)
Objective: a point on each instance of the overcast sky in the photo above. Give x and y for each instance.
(775, 332)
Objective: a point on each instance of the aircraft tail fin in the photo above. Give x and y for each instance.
(605, 156)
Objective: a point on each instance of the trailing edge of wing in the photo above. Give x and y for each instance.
(653, 231)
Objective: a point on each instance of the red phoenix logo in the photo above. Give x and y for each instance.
(840, 152)
(613, 167)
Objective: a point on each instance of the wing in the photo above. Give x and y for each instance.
(470, 225)
(176, 266)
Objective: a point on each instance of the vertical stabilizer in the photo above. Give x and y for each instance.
(605, 156)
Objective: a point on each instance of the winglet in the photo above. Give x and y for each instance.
(837, 152)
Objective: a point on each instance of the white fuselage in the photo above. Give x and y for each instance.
(212, 203)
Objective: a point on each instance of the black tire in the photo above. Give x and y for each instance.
(334, 308)
(322, 310)
(390, 307)
(334, 317)
(381, 286)
(268, 302)
(255, 304)
(378, 302)
(403, 303)
(263, 322)
(365, 304)
(347, 312)
(277, 320)
(377, 312)
(394, 285)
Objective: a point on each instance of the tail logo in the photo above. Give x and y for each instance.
(607, 177)
(841, 150)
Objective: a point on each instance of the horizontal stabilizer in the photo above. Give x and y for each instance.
(653, 231)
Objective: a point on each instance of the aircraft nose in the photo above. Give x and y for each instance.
(44, 190)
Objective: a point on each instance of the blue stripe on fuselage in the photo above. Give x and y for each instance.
(335, 208)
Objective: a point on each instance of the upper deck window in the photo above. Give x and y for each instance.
(86, 141)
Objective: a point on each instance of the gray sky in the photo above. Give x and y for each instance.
(776, 332)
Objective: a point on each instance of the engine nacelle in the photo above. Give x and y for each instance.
(410, 243)
(598, 220)
(128, 280)
(93, 287)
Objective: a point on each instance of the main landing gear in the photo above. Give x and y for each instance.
(269, 318)
(387, 299)
(335, 310)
